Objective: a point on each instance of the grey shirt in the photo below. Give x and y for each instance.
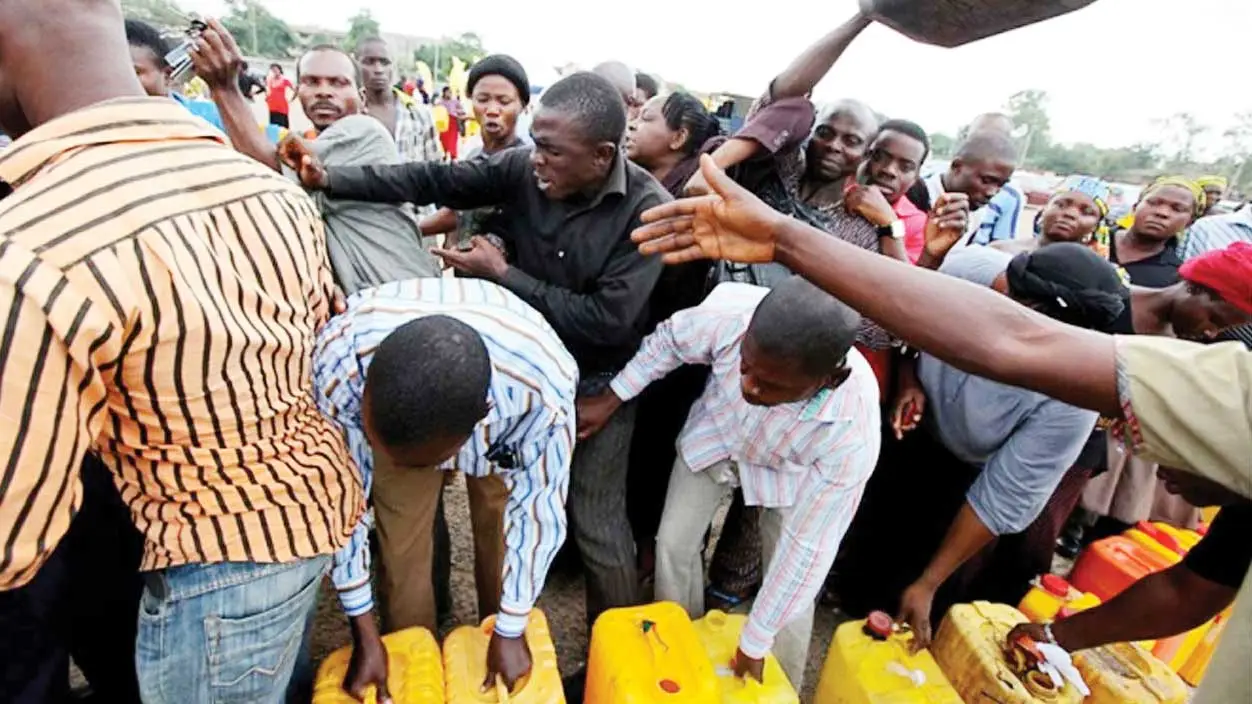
(1024, 441)
(369, 243)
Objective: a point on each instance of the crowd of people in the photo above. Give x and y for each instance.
(235, 363)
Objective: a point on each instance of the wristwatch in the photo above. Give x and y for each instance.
(895, 230)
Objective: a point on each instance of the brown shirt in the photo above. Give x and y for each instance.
(160, 294)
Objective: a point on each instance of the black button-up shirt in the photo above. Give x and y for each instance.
(574, 261)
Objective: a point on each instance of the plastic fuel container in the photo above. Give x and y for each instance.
(465, 666)
(414, 671)
(870, 662)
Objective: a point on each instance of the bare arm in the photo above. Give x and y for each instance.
(441, 223)
(983, 332)
(809, 68)
(218, 61)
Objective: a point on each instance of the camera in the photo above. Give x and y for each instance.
(179, 58)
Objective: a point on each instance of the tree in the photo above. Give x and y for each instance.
(1029, 108)
(942, 145)
(258, 32)
(468, 48)
(1182, 130)
(165, 14)
(363, 26)
(1239, 149)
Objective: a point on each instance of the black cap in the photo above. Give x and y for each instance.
(500, 65)
(1071, 283)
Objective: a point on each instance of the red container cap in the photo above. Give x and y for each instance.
(1054, 585)
(1065, 612)
(1160, 536)
(878, 625)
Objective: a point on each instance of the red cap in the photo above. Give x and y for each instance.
(1065, 612)
(1055, 585)
(878, 625)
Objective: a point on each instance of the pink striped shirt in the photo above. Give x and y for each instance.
(811, 458)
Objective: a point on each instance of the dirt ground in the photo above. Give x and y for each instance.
(562, 602)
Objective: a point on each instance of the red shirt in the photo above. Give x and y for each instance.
(276, 94)
(914, 227)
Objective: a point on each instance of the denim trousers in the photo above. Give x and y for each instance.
(225, 633)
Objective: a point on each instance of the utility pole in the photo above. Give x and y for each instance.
(252, 20)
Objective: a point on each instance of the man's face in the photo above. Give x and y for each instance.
(767, 381)
(496, 105)
(981, 180)
(151, 71)
(837, 147)
(566, 161)
(328, 89)
(1164, 212)
(1202, 315)
(376, 67)
(893, 163)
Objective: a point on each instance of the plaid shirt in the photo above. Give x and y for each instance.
(416, 137)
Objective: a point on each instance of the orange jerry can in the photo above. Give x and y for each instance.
(1108, 566)
(871, 663)
(719, 633)
(465, 666)
(414, 671)
(646, 654)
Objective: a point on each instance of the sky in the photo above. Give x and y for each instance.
(1167, 56)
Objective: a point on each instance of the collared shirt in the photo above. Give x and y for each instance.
(531, 419)
(812, 456)
(416, 137)
(935, 189)
(914, 227)
(574, 261)
(996, 221)
(369, 243)
(163, 293)
(1219, 232)
(1190, 406)
(1024, 441)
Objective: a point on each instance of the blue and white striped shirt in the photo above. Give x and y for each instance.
(532, 390)
(1219, 232)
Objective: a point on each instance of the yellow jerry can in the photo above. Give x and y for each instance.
(646, 654)
(719, 633)
(414, 671)
(1125, 672)
(465, 666)
(870, 663)
(969, 648)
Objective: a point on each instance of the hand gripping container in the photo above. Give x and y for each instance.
(647, 654)
(969, 648)
(955, 22)
(870, 663)
(1108, 566)
(414, 671)
(465, 666)
(1125, 672)
(719, 634)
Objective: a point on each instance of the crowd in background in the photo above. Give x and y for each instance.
(236, 361)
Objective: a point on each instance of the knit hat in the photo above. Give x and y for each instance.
(500, 65)
(1070, 283)
(1227, 272)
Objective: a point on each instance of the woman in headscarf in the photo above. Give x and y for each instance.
(1074, 213)
(986, 456)
(666, 138)
(1214, 190)
(1148, 248)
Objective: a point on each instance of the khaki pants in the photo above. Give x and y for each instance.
(690, 504)
(405, 500)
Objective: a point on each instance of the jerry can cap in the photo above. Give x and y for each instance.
(878, 625)
(1054, 584)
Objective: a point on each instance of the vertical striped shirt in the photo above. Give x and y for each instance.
(160, 299)
(1219, 232)
(811, 458)
(531, 419)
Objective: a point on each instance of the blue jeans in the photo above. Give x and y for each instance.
(230, 632)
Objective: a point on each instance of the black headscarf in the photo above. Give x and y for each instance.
(1070, 283)
(505, 66)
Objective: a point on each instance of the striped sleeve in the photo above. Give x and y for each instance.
(810, 535)
(338, 384)
(51, 396)
(536, 525)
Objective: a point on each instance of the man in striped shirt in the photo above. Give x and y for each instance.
(447, 374)
(160, 294)
(791, 415)
(1219, 232)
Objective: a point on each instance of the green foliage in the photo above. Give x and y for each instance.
(363, 26)
(468, 47)
(165, 14)
(943, 145)
(258, 32)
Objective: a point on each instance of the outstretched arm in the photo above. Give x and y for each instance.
(809, 68)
